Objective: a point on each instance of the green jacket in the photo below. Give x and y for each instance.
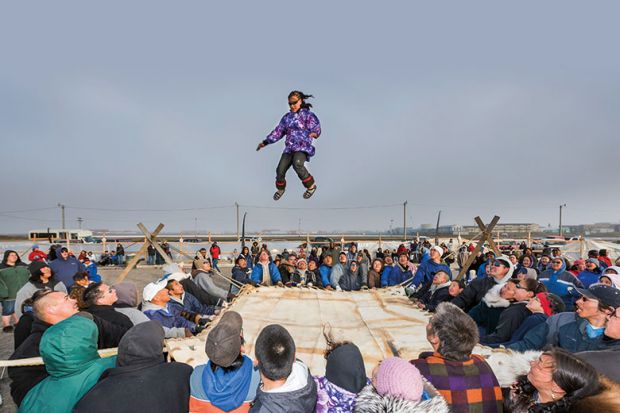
(69, 350)
(11, 280)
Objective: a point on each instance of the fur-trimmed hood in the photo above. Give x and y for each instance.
(606, 401)
(493, 298)
(369, 401)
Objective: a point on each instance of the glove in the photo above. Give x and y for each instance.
(260, 146)
(203, 322)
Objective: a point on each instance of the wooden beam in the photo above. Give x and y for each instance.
(486, 236)
(155, 245)
(132, 263)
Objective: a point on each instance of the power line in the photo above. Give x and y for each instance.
(322, 208)
(149, 210)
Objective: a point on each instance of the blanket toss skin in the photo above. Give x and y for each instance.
(382, 323)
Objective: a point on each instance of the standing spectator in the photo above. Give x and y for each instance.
(228, 382)
(40, 279)
(286, 383)
(464, 379)
(561, 282)
(345, 377)
(37, 254)
(215, 252)
(13, 276)
(332, 250)
(65, 267)
(398, 387)
(141, 380)
(254, 251)
(120, 254)
(151, 254)
(69, 351)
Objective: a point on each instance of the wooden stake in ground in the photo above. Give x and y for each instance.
(132, 263)
(487, 235)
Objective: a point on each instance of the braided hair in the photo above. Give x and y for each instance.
(301, 95)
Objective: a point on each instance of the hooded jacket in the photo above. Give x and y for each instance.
(486, 314)
(588, 278)
(221, 391)
(188, 302)
(300, 398)
(509, 321)
(64, 270)
(297, 126)
(12, 277)
(427, 270)
(325, 272)
(369, 401)
(351, 281)
(397, 274)
(141, 381)
(166, 316)
(69, 350)
(205, 281)
(561, 283)
(274, 273)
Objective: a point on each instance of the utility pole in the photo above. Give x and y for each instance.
(405, 220)
(561, 206)
(62, 209)
(437, 229)
(237, 205)
(80, 220)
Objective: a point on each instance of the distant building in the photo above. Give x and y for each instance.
(508, 228)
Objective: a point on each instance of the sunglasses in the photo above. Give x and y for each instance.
(293, 103)
(499, 264)
(556, 262)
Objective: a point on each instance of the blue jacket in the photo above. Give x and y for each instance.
(92, 273)
(191, 304)
(427, 270)
(385, 275)
(394, 276)
(588, 278)
(325, 272)
(574, 338)
(168, 317)
(482, 270)
(562, 284)
(64, 270)
(257, 273)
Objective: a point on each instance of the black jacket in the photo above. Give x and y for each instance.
(606, 362)
(473, 293)
(108, 313)
(432, 299)
(297, 401)
(509, 321)
(191, 287)
(141, 381)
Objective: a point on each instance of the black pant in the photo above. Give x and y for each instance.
(297, 160)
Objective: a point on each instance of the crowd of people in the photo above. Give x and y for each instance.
(566, 310)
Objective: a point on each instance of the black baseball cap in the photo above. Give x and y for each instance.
(607, 295)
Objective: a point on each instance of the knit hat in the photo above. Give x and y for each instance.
(35, 268)
(224, 340)
(593, 261)
(397, 377)
(438, 249)
(127, 293)
(35, 247)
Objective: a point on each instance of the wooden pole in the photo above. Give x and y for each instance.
(132, 263)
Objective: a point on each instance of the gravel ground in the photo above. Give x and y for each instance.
(141, 276)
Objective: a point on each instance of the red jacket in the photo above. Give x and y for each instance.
(37, 255)
(215, 252)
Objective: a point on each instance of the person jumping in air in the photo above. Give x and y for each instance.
(300, 126)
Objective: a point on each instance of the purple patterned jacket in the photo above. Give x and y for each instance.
(297, 126)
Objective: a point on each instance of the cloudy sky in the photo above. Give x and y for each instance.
(151, 111)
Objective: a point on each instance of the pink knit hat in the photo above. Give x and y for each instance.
(398, 377)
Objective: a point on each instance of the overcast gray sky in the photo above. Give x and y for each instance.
(474, 108)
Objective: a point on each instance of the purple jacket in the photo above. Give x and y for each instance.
(297, 126)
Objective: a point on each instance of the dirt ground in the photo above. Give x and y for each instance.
(141, 276)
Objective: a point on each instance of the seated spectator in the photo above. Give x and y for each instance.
(388, 266)
(313, 276)
(245, 253)
(464, 379)
(401, 272)
(610, 276)
(351, 279)
(577, 267)
(286, 383)
(91, 269)
(266, 272)
(603, 258)
(345, 377)
(524, 273)
(240, 273)
(69, 351)
(228, 381)
(127, 302)
(456, 288)
(543, 263)
(24, 325)
(512, 317)
(398, 386)
(482, 271)
(431, 295)
(141, 380)
(204, 278)
(426, 271)
(560, 282)
(374, 274)
(41, 278)
(541, 307)
(99, 299)
(80, 282)
(184, 301)
(501, 271)
(338, 270)
(156, 307)
(37, 254)
(560, 382)
(591, 273)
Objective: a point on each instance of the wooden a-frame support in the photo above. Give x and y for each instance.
(149, 239)
(487, 235)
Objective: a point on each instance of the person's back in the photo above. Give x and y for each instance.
(141, 381)
(69, 350)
